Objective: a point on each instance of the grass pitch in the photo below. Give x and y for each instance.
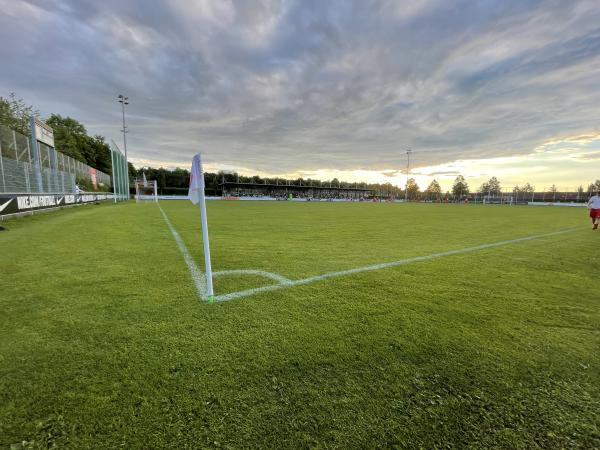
(104, 342)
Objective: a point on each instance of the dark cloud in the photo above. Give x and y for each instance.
(281, 86)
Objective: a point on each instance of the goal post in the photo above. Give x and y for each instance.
(500, 199)
(146, 190)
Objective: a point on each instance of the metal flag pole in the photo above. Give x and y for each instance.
(202, 204)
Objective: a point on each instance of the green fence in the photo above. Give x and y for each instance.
(57, 172)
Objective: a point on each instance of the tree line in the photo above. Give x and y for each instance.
(171, 181)
(177, 180)
(492, 187)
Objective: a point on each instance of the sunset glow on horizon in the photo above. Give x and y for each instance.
(567, 162)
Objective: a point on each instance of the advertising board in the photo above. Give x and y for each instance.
(21, 203)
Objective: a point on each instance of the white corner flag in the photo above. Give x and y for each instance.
(196, 195)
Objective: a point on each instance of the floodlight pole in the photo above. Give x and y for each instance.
(408, 152)
(123, 100)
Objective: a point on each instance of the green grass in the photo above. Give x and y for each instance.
(104, 342)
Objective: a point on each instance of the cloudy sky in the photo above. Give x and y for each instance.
(324, 88)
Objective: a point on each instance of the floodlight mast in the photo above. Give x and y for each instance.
(408, 152)
(123, 100)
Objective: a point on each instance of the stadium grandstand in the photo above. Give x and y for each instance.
(241, 189)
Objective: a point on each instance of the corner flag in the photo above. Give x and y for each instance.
(196, 195)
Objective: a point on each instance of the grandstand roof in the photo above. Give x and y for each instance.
(291, 187)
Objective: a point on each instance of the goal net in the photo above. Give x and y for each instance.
(146, 190)
(498, 200)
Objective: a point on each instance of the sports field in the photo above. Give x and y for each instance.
(105, 343)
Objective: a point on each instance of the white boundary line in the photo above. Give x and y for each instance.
(283, 282)
(197, 276)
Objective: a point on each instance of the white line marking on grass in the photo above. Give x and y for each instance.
(198, 277)
(273, 276)
(401, 262)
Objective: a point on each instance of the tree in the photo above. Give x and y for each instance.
(15, 113)
(132, 171)
(69, 136)
(524, 192)
(491, 187)
(97, 153)
(460, 187)
(434, 190)
(553, 189)
(528, 189)
(386, 190)
(6, 116)
(412, 188)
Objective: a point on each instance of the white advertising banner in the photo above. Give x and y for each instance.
(44, 133)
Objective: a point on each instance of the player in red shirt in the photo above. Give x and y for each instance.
(594, 207)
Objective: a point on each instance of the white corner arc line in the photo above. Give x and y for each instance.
(273, 276)
(401, 262)
(197, 276)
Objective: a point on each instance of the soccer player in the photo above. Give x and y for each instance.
(594, 207)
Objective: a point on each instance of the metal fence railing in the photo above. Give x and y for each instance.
(120, 172)
(22, 177)
(57, 173)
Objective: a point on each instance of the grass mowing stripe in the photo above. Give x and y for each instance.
(248, 292)
(197, 276)
(489, 349)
